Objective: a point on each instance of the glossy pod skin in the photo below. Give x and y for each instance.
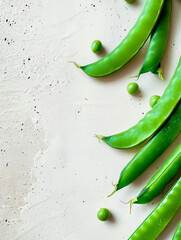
(151, 151)
(133, 42)
(155, 223)
(153, 120)
(160, 179)
(158, 42)
(177, 235)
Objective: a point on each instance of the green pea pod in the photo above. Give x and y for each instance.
(158, 42)
(160, 179)
(128, 48)
(153, 120)
(155, 223)
(151, 151)
(177, 235)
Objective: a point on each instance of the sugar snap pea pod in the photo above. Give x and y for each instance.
(158, 42)
(151, 151)
(159, 218)
(133, 42)
(153, 120)
(160, 179)
(177, 235)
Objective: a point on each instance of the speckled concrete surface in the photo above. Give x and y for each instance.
(54, 174)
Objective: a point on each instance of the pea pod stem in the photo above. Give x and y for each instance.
(152, 150)
(77, 65)
(130, 46)
(160, 179)
(153, 120)
(159, 72)
(159, 218)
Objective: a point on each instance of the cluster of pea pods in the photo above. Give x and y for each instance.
(160, 126)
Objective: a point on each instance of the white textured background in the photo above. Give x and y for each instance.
(54, 174)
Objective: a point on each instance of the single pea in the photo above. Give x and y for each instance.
(129, 1)
(153, 100)
(133, 88)
(96, 46)
(103, 214)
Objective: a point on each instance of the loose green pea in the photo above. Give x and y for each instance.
(96, 46)
(103, 214)
(130, 46)
(153, 100)
(153, 120)
(133, 88)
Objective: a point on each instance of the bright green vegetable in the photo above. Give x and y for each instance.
(153, 100)
(155, 223)
(153, 120)
(129, 47)
(177, 235)
(129, 1)
(160, 179)
(133, 88)
(96, 46)
(103, 214)
(158, 42)
(151, 151)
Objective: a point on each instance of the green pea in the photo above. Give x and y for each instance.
(130, 46)
(159, 35)
(153, 120)
(151, 150)
(133, 88)
(96, 46)
(159, 218)
(103, 214)
(153, 100)
(160, 179)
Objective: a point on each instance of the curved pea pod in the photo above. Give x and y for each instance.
(153, 120)
(129, 47)
(158, 42)
(155, 223)
(177, 235)
(151, 151)
(160, 179)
